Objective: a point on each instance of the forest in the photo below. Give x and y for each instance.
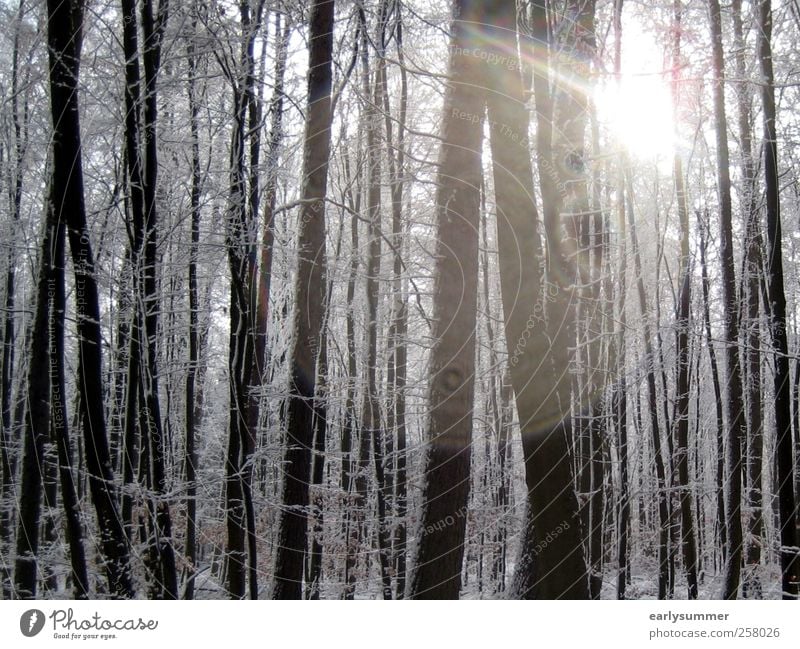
(399, 299)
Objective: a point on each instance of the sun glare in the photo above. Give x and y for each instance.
(637, 110)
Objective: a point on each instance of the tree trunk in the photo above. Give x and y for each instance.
(351, 423)
(735, 402)
(37, 420)
(58, 418)
(8, 452)
(64, 39)
(787, 509)
(142, 161)
(438, 568)
(721, 523)
(193, 403)
(308, 315)
(372, 415)
(620, 400)
(397, 370)
(270, 196)
(683, 326)
(539, 334)
(240, 236)
(750, 281)
(649, 363)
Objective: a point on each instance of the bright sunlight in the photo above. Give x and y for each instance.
(638, 110)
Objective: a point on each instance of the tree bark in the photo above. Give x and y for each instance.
(58, 418)
(649, 363)
(37, 420)
(539, 326)
(193, 405)
(683, 325)
(438, 568)
(372, 414)
(735, 402)
(751, 286)
(308, 315)
(721, 522)
(620, 399)
(64, 39)
(787, 507)
(8, 454)
(397, 371)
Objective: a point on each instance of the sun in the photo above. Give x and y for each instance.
(637, 108)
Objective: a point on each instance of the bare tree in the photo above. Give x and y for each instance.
(787, 507)
(683, 389)
(751, 282)
(308, 315)
(440, 552)
(735, 402)
(64, 41)
(539, 311)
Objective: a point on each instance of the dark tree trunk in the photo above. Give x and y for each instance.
(37, 419)
(193, 403)
(438, 568)
(787, 509)
(737, 428)
(270, 196)
(721, 523)
(58, 418)
(64, 38)
(750, 281)
(658, 456)
(620, 399)
(167, 580)
(8, 452)
(683, 326)
(142, 166)
(239, 362)
(316, 549)
(397, 370)
(310, 286)
(240, 234)
(538, 327)
(351, 424)
(372, 413)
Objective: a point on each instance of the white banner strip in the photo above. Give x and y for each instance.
(333, 624)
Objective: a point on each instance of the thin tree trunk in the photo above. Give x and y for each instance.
(683, 325)
(721, 522)
(351, 425)
(398, 327)
(737, 428)
(7, 429)
(314, 580)
(661, 496)
(152, 31)
(193, 404)
(750, 281)
(372, 414)
(240, 229)
(620, 401)
(270, 196)
(142, 160)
